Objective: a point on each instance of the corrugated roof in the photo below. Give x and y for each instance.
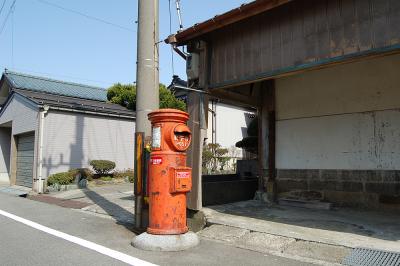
(52, 86)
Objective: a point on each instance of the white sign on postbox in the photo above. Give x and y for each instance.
(156, 138)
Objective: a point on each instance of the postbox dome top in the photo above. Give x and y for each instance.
(168, 115)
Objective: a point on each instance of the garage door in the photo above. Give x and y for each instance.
(25, 156)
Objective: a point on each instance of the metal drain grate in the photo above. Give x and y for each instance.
(371, 257)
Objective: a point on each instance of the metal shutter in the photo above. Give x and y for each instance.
(25, 157)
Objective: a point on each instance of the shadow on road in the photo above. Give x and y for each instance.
(122, 216)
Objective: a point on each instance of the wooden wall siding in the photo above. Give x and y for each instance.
(300, 34)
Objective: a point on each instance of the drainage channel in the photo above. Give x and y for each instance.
(372, 257)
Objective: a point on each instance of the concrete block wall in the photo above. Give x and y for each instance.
(346, 187)
(247, 168)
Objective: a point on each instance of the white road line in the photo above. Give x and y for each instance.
(79, 241)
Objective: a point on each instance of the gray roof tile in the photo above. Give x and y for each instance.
(46, 85)
(76, 103)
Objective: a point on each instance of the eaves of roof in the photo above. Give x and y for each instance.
(230, 17)
(76, 104)
(51, 86)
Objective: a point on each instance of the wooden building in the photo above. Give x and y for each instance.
(324, 77)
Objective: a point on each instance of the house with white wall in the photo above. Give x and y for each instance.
(227, 122)
(325, 84)
(49, 126)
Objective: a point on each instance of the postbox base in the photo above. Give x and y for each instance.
(178, 231)
(151, 242)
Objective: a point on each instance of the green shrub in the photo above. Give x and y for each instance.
(63, 178)
(102, 167)
(106, 178)
(129, 173)
(85, 173)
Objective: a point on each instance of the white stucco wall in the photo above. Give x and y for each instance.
(343, 117)
(231, 124)
(72, 140)
(5, 146)
(22, 114)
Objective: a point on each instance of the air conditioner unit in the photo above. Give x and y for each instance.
(192, 66)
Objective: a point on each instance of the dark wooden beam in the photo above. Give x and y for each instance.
(234, 97)
(267, 139)
(228, 18)
(271, 129)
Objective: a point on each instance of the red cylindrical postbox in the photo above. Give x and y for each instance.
(169, 178)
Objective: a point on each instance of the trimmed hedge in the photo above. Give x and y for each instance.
(102, 167)
(129, 173)
(63, 178)
(86, 173)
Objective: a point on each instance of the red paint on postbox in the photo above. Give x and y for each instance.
(183, 174)
(156, 160)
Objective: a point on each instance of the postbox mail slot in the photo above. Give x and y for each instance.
(181, 137)
(181, 179)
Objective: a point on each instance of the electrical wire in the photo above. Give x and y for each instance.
(2, 6)
(170, 32)
(85, 15)
(8, 15)
(12, 36)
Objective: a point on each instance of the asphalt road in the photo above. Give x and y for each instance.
(21, 244)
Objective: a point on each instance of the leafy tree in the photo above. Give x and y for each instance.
(125, 95)
(102, 167)
(168, 100)
(207, 159)
(213, 156)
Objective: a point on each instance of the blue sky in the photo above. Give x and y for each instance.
(51, 42)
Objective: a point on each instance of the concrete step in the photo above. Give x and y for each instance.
(299, 232)
(311, 252)
(309, 204)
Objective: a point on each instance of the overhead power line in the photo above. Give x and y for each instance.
(2, 6)
(8, 15)
(170, 32)
(85, 15)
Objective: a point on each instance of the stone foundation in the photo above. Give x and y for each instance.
(356, 188)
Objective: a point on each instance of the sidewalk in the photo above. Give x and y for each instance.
(14, 190)
(341, 227)
(114, 201)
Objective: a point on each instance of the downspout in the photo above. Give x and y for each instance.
(40, 149)
(172, 41)
(214, 125)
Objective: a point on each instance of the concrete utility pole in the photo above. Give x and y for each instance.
(147, 80)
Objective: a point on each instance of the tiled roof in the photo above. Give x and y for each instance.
(76, 103)
(57, 87)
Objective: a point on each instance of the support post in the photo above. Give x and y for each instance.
(267, 140)
(270, 104)
(147, 74)
(198, 110)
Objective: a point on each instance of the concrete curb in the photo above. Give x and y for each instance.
(150, 242)
(334, 238)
